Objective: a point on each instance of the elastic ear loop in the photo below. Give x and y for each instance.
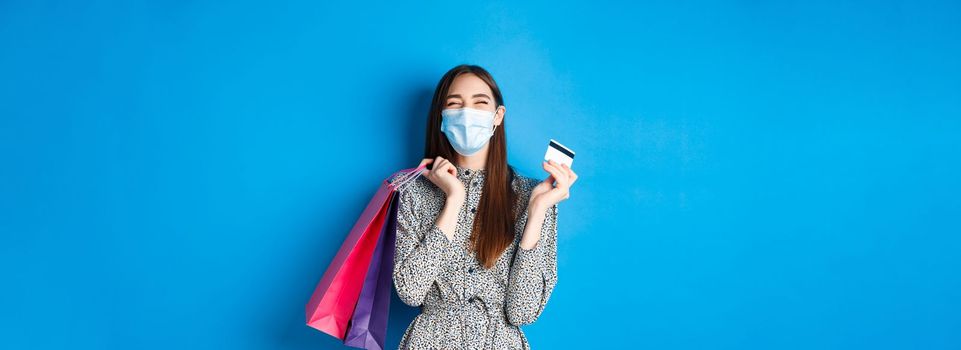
(401, 183)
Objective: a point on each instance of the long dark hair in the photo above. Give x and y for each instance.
(493, 229)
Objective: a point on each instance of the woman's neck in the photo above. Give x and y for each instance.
(476, 161)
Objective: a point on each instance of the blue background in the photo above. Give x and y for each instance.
(177, 174)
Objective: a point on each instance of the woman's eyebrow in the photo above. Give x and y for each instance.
(475, 95)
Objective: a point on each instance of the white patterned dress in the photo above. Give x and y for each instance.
(463, 305)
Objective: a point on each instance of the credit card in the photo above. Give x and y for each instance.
(558, 153)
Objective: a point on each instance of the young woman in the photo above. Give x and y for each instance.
(476, 242)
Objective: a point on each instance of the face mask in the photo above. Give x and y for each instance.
(467, 129)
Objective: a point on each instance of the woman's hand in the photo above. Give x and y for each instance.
(543, 196)
(444, 175)
(546, 194)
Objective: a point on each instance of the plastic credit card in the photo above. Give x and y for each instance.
(558, 153)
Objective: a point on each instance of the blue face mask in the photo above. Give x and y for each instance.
(467, 129)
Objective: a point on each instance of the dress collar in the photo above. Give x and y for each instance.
(466, 173)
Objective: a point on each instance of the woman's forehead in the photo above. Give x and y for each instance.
(467, 85)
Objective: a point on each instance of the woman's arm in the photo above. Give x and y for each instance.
(447, 220)
(533, 274)
(421, 252)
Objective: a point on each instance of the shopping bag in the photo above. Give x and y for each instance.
(368, 325)
(334, 298)
(332, 303)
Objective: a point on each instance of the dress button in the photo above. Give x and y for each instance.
(471, 270)
(473, 210)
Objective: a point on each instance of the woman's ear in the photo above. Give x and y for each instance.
(499, 114)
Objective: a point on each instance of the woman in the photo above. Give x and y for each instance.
(476, 242)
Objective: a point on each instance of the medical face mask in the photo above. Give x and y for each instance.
(467, 129)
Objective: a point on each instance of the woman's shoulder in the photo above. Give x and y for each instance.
(523, 183)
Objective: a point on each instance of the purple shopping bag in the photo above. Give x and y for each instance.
(368, 326)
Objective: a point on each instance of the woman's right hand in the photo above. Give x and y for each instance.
(444, 175)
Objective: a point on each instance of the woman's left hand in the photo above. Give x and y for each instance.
(547, 193)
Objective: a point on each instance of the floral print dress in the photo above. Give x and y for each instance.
(463, 305)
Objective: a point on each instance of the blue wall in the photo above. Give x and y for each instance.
(177, 174)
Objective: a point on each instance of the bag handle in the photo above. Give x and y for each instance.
(407, 178)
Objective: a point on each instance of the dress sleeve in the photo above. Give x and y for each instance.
(533, 275)
(422, 250)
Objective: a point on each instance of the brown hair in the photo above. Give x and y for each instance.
(493, 229)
